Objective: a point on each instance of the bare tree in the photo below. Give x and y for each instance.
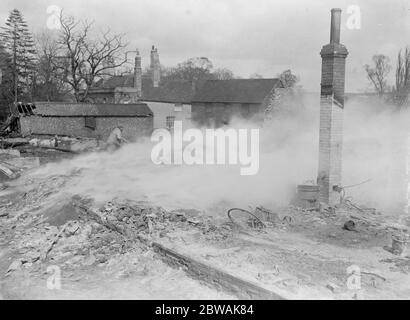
(379, 72)
(71, 43)
(193, 69)
(49, 81)
(100, 56)
(402, 87)
(85, 60)
(223, 74)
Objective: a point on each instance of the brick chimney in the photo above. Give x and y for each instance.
(155, 67)
(331, 114)
(138, 74)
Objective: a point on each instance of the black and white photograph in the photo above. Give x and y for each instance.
(204, 150)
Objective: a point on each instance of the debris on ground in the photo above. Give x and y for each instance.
(350, 226)
(399, 243)
(292, 249)
(398, 264)
(334, 288)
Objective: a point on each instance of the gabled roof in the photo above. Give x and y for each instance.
(236, 90)
(116, 81)
(55, 109)
(173, 91)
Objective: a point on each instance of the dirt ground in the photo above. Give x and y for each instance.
(299, 254)
(93, 263)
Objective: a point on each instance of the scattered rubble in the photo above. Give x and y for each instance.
(75, 232)
(399, 243)
(333, 287)
(350, 226)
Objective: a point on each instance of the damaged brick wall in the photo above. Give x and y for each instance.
(134, 127)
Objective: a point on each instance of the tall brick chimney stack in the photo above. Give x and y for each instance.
(138, 74)
(155, 67)
(331, 114)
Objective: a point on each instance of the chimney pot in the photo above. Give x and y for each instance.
(335, 25)
(155, 67)
(138, 74)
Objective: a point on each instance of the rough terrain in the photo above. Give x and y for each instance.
(102, 249)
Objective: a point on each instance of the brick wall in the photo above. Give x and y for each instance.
(134, 127)
(331, 122)
(119, 95)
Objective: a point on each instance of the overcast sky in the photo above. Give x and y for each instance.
(246, 36)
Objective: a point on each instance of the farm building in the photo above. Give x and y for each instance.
(168, 100)
(85, 120)
(217, 101)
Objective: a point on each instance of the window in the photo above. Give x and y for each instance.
(178, 107)
(90, 123)
(245, 110)
(26, 109)
(170, 123)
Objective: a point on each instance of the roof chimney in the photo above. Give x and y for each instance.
(138, 73)
(155, 67)
(335, 25)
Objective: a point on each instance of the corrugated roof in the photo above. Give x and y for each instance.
(236, 90)
(56, 109)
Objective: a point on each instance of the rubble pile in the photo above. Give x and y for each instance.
(133, 218)
(80, 233)
(43, 226)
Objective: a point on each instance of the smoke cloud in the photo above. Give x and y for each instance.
(288, 157)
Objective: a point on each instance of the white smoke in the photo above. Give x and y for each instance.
(288, 156)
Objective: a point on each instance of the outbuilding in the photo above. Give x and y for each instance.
(84, 120)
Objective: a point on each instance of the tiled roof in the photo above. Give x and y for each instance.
(236, 90)
(175, 91)
(116, 81)
(55, 109)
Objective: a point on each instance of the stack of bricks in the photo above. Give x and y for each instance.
(331, 115)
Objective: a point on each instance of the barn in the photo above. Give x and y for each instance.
(218, 101)
(84, 120)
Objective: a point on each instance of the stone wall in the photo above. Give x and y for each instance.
(134, 127)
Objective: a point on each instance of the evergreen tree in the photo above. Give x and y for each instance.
(6, 85)
(19, 45)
